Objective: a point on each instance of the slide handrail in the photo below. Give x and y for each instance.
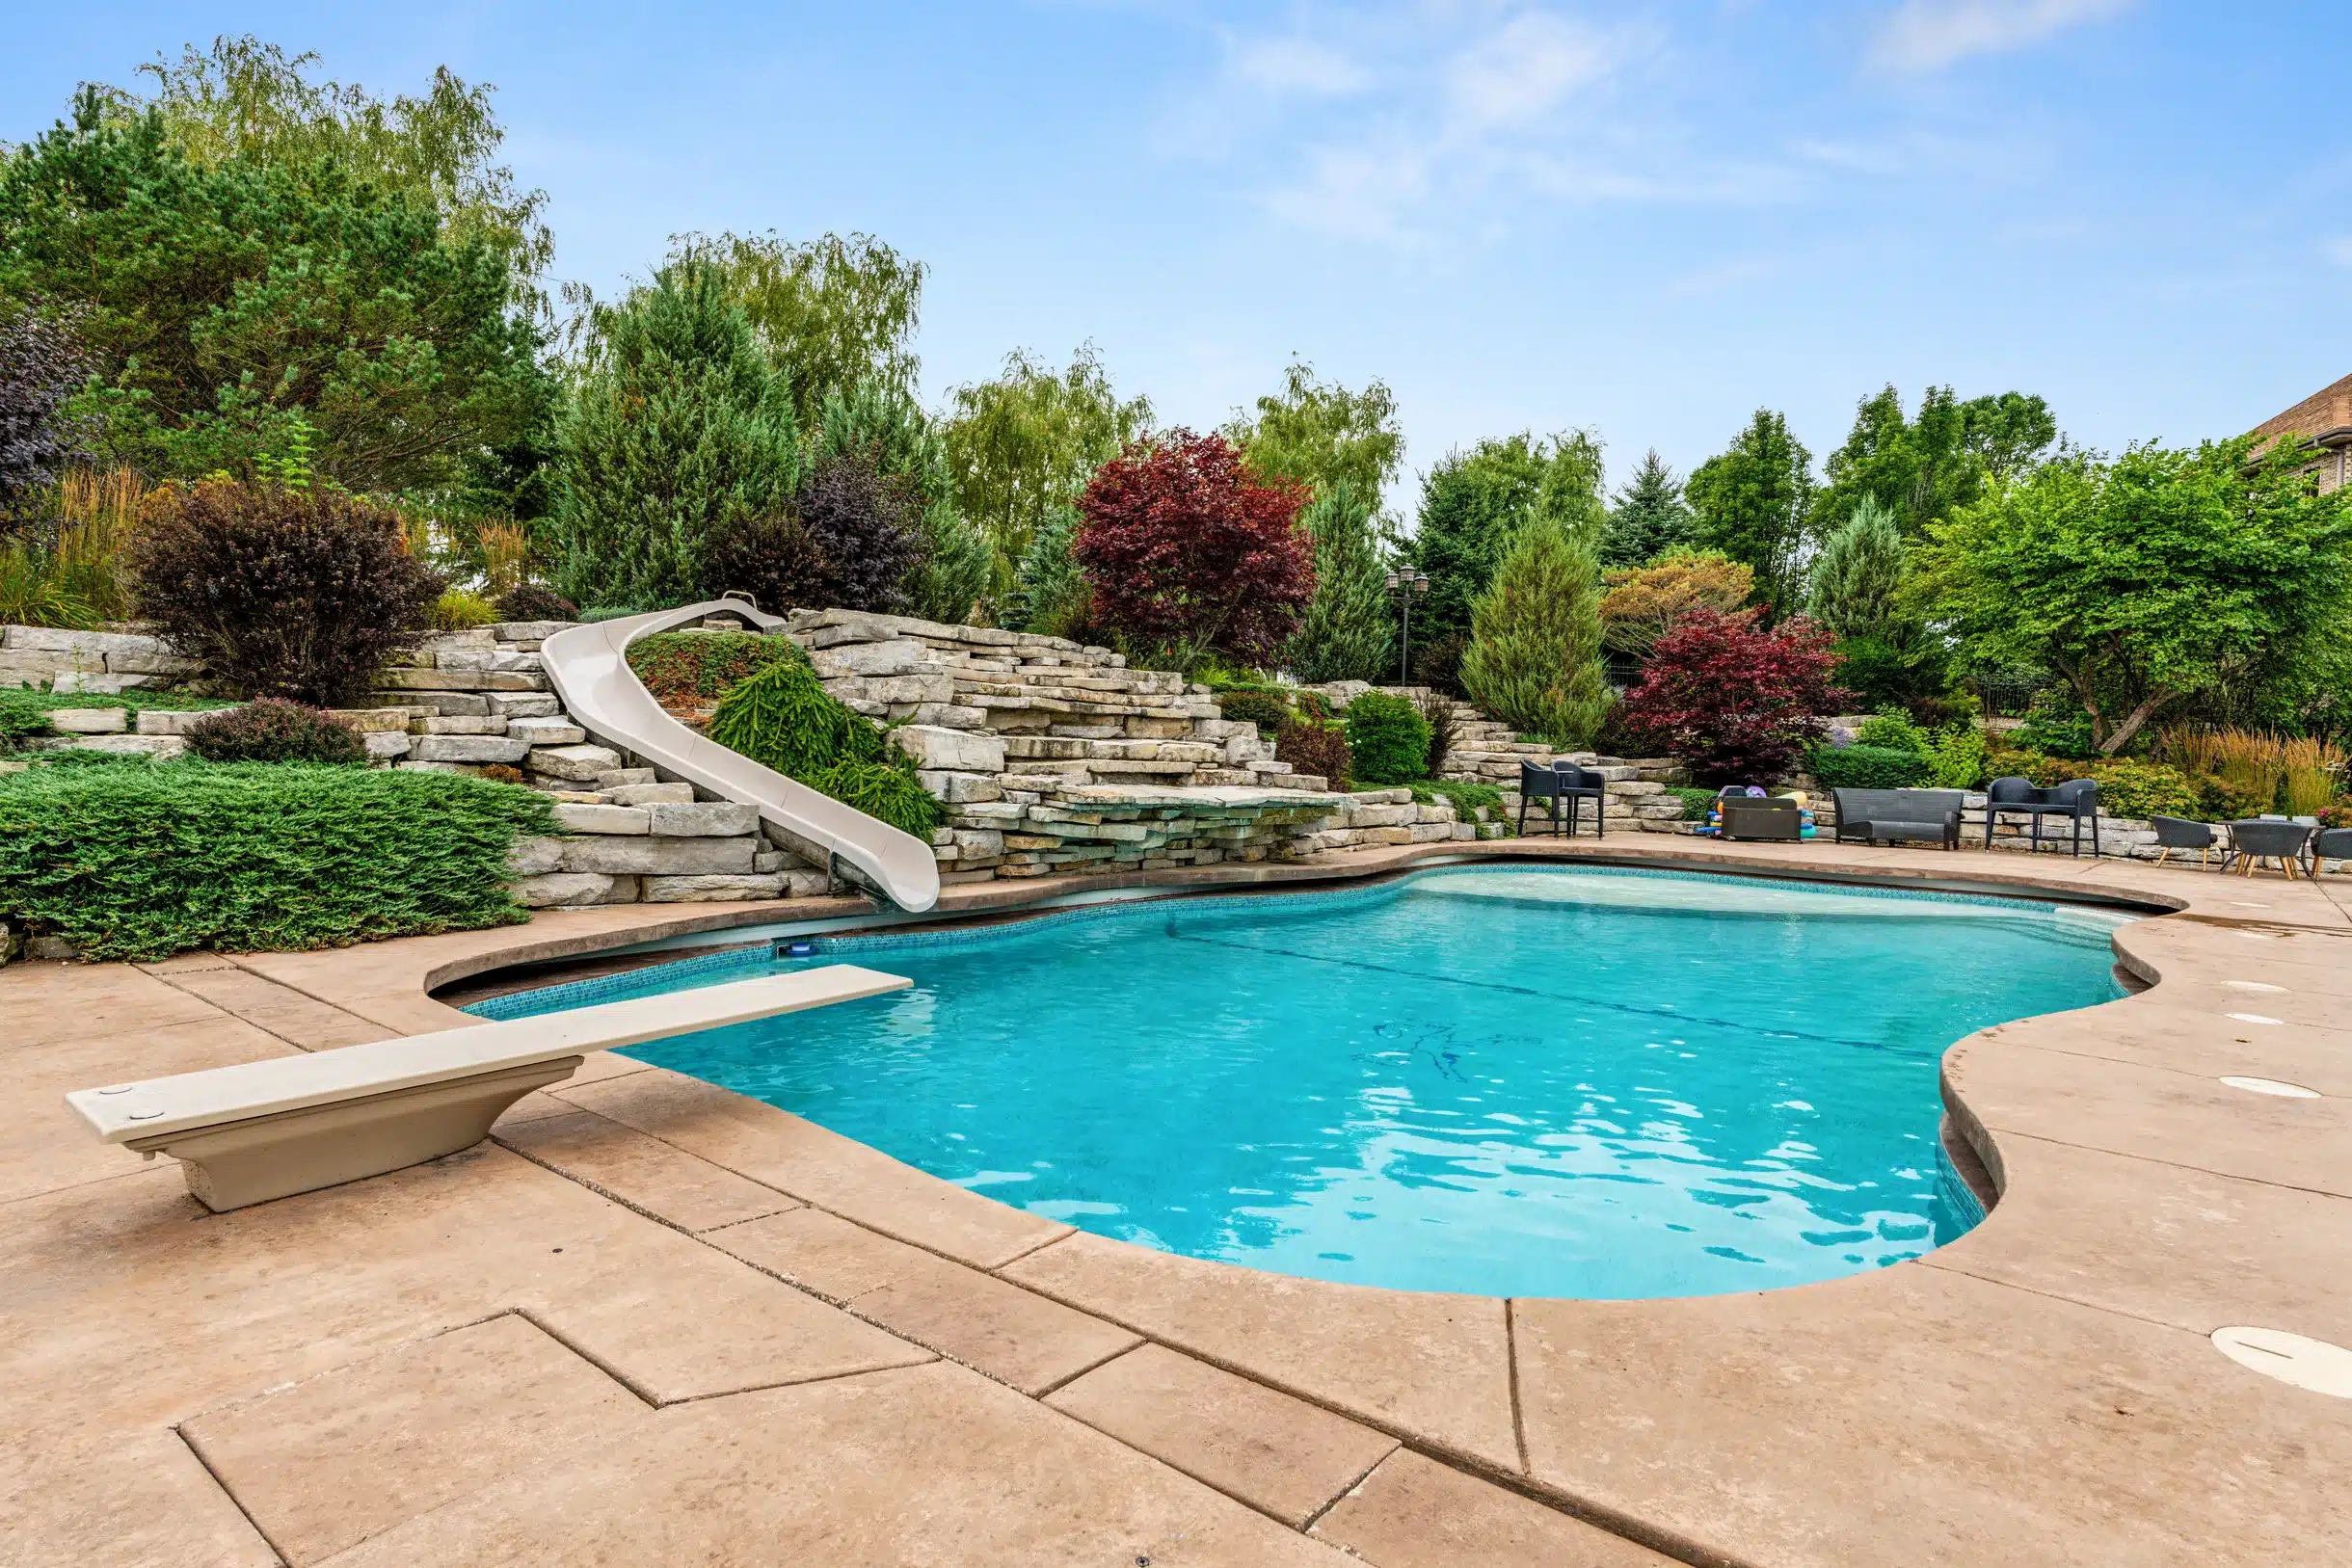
(588, 666)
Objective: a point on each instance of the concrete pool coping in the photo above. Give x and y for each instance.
(2041, 1390)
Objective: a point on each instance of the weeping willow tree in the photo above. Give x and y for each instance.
(1535, 655)
(1346, 634)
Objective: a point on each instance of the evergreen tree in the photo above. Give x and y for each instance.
(1753, 500)
(1650, 516)
(682, 428)
(1534, 655)
(1472, 506)
(1052, 599)
(1347, 630)
(882, 421)
(1859, 573)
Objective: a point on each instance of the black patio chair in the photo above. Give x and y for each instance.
(1563, 783)
(2180, 833)
(2330, 844)
(2077, 800)
(2273, 838)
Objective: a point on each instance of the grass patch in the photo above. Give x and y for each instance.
(143, 862)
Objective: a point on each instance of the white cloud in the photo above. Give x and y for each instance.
(1929, 35)
(1526, 68)
(1299, 65)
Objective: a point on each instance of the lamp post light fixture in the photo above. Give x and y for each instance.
(1405, 586)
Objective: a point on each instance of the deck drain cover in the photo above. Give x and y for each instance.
(2272, 1086)
(2290, 1358)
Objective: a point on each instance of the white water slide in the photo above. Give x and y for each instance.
(589, 668)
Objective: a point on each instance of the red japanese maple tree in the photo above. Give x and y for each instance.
(1734, 702)
(1189, 553)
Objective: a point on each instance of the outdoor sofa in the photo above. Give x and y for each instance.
(1893, 815)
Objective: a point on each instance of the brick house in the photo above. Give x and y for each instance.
(2324, 421)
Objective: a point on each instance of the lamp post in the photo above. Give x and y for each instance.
(1405, 586)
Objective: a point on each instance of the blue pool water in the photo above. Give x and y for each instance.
(1551, 1081)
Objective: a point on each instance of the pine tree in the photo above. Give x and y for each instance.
(1347, 631)
(1534, 656)
(1650, 516)
(1858, 571)
(1052, 598)
(682, 430)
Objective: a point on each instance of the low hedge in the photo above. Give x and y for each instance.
(2127, 785)
(1867, 767)
(1318, 750)
(140, 862)
(1696, 803)
(268, 729)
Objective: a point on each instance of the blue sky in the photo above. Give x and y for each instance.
(1642, 221)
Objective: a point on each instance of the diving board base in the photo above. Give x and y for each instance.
(232, 1164)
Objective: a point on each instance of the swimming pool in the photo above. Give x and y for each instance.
(1572, 1081)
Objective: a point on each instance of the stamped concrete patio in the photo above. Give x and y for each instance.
(652, 1321)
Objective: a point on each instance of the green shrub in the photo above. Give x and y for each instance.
(1463, 795)
(1956, 758)
(1318, 749)
(529, 601)
(1894, 729)
(461, 609)
(1269, 710)
(783, 718)
(140, 862)
(277, 592)
(25, 711)
(2056, 726)
(269, 730)
(2127, 787)
(1387, 738)
(680, 665)
(1696, 802)
(1867, 767)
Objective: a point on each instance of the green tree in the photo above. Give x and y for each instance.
(225, 300)
(247, 99)
(835, 312)
(1650, 516)
(682, 428)
(1323, 436)
(1052, 598)
(2148, 580)
(1348, 632)
(889, 428)
(1472, 504)
(1924, 468)
(1752, 500)
(1857, 576)
(1022, 447)
(1535, 655)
